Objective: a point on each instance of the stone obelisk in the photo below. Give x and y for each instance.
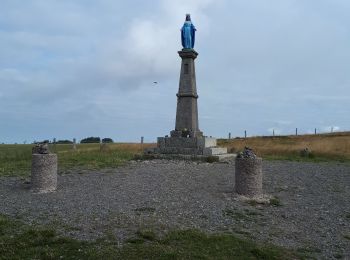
(186, 140)
(187, 109)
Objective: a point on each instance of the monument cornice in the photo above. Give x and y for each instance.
(189, 94)
(188, 53)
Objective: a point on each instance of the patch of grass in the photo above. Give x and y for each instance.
(146, 234)
(338, 256)
(323, 147)
(15, 160)
(275, 202)
(235, 214)
(192, 244)
(242, 232)
(19, 241)
(253, 203)
(347, 216)
(314, 158)
(94, 159)
(308, 251)
(336, 188)
(211, 159)
(144, 157)
(257, 202)
(253, 213)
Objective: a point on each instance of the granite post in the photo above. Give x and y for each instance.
(44, 170)
(248, 174)
(74, 144)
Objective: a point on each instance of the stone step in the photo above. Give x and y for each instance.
(223, 157)
(180, 150)
(183, 142)
(214, 151)
(218, 157)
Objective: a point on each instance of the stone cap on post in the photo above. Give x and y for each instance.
(248, 174)
(41, 148)
(247, 153)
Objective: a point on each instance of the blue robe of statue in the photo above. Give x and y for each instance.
(188, 35)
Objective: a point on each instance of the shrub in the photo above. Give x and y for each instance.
(307, 153)
(90, 140)
(64, 142)
(107, 140)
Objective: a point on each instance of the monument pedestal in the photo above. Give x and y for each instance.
(188, 148)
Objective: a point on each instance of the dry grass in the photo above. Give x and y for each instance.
(132, 147)
(334, 146)
(16, 159)
(129, 147)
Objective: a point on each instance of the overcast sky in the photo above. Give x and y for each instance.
(78, 68)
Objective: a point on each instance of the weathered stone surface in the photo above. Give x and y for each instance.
(187, 110)
(188, 146)
(248, 176)
(44, 173)
(196, 142)
(247, 153)
(205, 142)
(187, 140)
(41, 148)
(214, 151)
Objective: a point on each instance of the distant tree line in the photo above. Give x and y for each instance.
(88, 140)
(64, 142)
(107, 140)
(92, 139)
(55, 142)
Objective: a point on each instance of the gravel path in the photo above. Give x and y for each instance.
(162, 195)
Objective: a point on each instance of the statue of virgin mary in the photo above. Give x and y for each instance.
(188, 33)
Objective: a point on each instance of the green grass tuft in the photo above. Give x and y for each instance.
(275, 202)
(146, 234)
(212, 159)
(19, 241)
(347, 216)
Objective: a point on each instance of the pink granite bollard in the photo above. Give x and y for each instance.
(248, 174)
(44, 170)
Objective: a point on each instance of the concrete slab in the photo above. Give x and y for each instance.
(219, 157)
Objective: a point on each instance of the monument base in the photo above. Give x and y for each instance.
(188, 148)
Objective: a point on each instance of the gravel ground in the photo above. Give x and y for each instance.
(163, 195)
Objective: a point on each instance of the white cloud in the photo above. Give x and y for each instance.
(326, 98)
(328, 129)
(281, 65)
(12, 75)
